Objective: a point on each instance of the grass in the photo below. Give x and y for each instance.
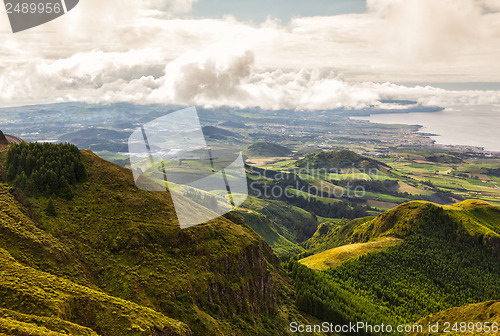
(488, 311)
(405, 187)
(291, 222)
(32, 292)
(336, 256)
(306, 195)
(268, 230)
(474, 218)
(384, 197)
(16, 323)
(115, 260)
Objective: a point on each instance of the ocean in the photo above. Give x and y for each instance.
(459, 125)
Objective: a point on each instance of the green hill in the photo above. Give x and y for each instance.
(268, 149)
(470, 219)
(343, 159)
(444, 158)
(113, 261)
(449, 257)
(479, 314)
(268, 230)
(233, 124)
(330, 235)
(337, 255)
(217, 132)
(283, 226)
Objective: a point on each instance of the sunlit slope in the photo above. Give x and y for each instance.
(44, 301)
(336, 256)
(448, 257)
(482, 316)
(34, 302)
(474, 218)
(116, 242)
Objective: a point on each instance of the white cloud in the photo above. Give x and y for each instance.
(431, 30)
(106, 51)
(211, 79)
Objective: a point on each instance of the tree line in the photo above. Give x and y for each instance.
(44, 169)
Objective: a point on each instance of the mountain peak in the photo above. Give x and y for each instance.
(343, 159)
(472, 217)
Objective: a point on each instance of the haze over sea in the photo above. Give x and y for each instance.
(458, 125)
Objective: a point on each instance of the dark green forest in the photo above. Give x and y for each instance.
(438, 266)
(43, 169)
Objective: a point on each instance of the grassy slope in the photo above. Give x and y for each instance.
(268, 230)
(473, 217)
(267, 149)
(330, 235)
(218, 278)
(449, 253)
(449, 258)
(283, 226)
(337, 255)
(41, 303)
(483, 312)
(477, 219)
(339, 159)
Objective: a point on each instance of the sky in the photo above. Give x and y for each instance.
(276, 54)
(284, 10)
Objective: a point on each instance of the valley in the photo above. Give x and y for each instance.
(345, 221)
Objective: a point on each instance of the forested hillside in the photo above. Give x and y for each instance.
(45, 169)
(449, 257)
(112, 261)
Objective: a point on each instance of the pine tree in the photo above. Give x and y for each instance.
(50, 209)
(11, 172)
(64, 189)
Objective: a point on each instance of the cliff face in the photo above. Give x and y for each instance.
(114, 262)
(3, 139)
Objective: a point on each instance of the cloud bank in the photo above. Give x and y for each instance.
(210, 79)
(144, 53)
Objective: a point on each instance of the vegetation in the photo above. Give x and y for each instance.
(338, 160)
(337, 255)
(334, 300)
(117, 253)
(115, 262)
(444, 158)
(217, 133)
(291, 189)
(330, 235)
(268, 149)
(3, 139)
(478, 314)
(293, 221)
(282, 247)
(45, 169)
(448, 258)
